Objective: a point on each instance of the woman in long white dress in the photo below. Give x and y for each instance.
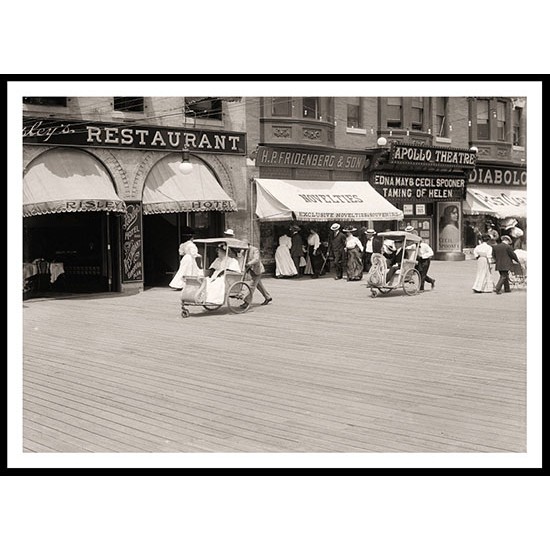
(188, 264)
(484, 275)
(284, 266)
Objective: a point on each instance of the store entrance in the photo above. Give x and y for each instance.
(162, 237)
(71, 252)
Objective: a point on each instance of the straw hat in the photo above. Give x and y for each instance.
(335, 226)
(229, 233)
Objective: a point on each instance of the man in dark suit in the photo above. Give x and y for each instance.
(296, 248)
(504, 257)
(337, 247)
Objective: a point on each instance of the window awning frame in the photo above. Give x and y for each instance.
(499, 203)
(68, 180)
(167, 190)
(306, 200)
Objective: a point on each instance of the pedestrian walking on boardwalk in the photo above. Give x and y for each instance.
(314, 259)
(296, 248)
(188, 264)
(425, 255)
(337, 247)
(255, 268)
(354, 255)
(284, 266)
(484, 274)
(504, 257)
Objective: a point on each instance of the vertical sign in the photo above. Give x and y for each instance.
(132, 265)
(448, 227)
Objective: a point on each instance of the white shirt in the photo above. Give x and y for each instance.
(425, 251)
(230, 264)
(314, 241)
(352, 242)
(368, 244)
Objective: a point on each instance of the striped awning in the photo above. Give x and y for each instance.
(167, 190)
(68, 180)
(500, 203)
(305, 200)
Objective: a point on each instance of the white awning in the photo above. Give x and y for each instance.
(68, 180)
(500, 203)
(304, 200)
(168, 190)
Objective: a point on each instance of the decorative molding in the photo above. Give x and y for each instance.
(282, 131)
(502, 153)
(149, 160)
(484, 151)
(314, 135)
(118, 173)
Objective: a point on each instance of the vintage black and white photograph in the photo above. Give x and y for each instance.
(219, 275)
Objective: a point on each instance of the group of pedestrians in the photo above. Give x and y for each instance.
(498, 253)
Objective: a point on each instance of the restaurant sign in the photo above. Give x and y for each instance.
(416, 188)
(131, 136)
(432, 156)
(323, 160)
(498, 176)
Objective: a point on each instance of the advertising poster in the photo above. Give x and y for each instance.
(448, 227)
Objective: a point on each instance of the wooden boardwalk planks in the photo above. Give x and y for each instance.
(324, 368)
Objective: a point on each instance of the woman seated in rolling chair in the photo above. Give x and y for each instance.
(224, 262)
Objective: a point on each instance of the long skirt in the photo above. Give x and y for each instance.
(354, 264)
(188, 268)
(284, 266)
(314, 262)
(484, 277)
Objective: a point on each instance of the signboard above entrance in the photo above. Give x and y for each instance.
(432, 156)
(131, 136)
(419, 188)
(302, 158)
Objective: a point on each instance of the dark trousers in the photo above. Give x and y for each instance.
(366, 261)
(339, 263)
(423, 267)
(503, 280)
(316, 261)
(296, 260)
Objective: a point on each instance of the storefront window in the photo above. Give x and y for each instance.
(128, 104)
(482, 119)
(281, 106)
(311, 107)
(517, 114)
(354, 112)
(417, 111)
(203, 107)
(49, 101)
(395, 112)
(440, 107)
(501, 120)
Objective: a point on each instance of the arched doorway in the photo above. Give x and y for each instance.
(173, 201)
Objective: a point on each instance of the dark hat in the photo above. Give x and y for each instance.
(350, 230)
(186, 230)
